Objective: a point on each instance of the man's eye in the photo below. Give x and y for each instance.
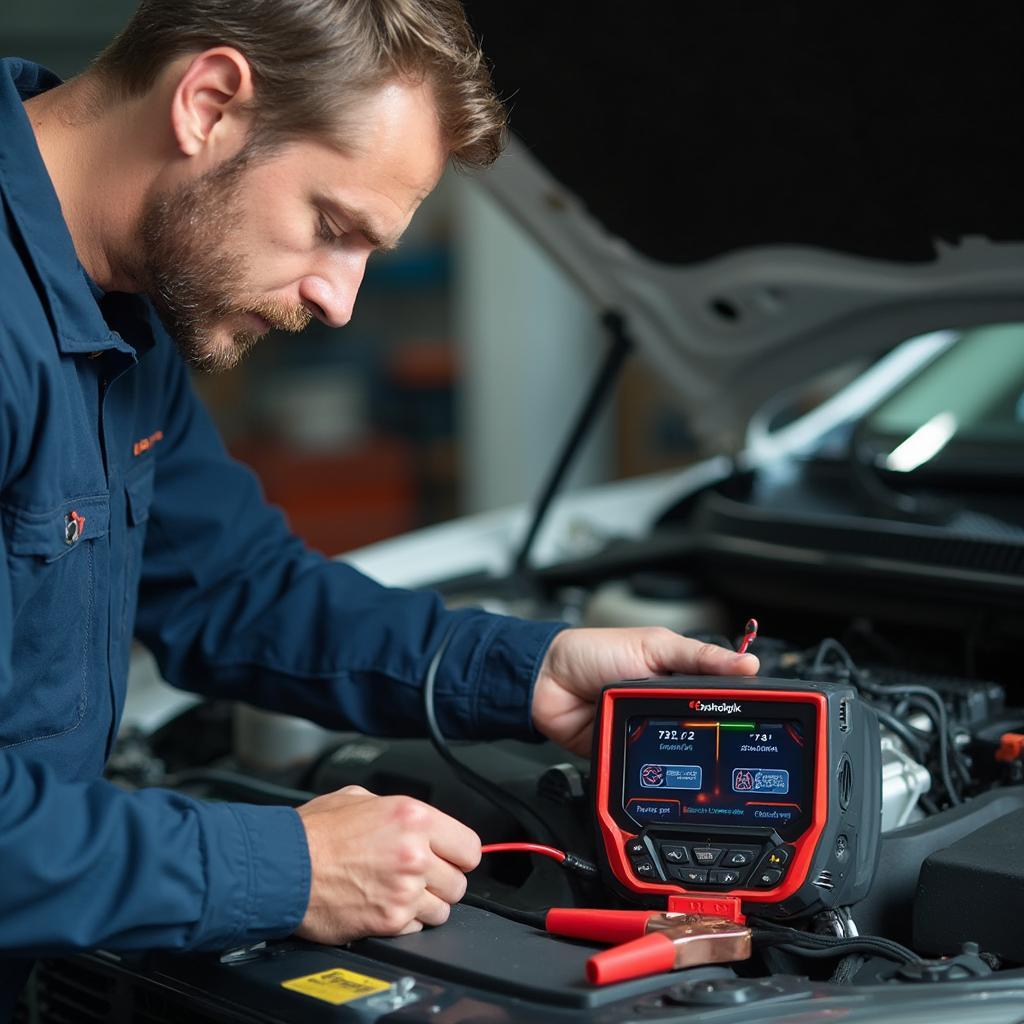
(326, 233)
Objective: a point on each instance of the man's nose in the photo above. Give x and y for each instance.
(331, 296)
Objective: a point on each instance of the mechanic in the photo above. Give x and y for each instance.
(223, 168)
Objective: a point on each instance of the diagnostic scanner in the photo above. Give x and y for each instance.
(766, 791)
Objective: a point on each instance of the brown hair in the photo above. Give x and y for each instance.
(312, 62)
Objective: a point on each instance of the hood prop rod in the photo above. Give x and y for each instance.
(606, 377)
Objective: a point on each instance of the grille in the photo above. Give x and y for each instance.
(847, 536)
(69, 993)
(79, 992)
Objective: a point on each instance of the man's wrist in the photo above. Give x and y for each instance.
(546, 680)
(258, 873)
(486, 678)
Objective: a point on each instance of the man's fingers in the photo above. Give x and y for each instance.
(445, 881)
(454, 842)
(671, 653)
(432, 911)
(714, 660)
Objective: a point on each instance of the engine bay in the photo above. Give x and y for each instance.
(951, 757)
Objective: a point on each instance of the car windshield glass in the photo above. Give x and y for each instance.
(967, 403)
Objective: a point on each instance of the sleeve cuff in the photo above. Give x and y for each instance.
(485, 684)
(257, 872)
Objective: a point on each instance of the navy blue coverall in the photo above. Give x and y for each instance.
(121, 512)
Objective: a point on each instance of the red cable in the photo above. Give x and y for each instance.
(547, 851)
(749, 635)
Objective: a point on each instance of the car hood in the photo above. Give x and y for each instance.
(765, 191)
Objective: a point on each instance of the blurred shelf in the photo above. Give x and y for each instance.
(339, 500)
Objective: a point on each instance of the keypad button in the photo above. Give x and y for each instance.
(724, 876)
(777, 858)
(636, 848)
(645, 868)
(706, 855)
(674, 854)
(767, 877)
(691, 876)
(738, 858)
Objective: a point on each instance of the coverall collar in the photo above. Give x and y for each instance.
(28, 193)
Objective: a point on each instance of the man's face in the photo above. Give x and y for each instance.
(274, 241)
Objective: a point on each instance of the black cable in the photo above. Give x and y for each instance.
(532, 918)
(956, 756)
(847, 968)
(786, 933)
(860, 680)
(580, 866)
(238, 785)
(915, 743)
(790, 940)
(831, 646)
(506, 801)
(941, 723)
(609, 371)
(842, 948)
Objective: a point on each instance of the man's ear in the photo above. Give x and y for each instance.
(210, 103)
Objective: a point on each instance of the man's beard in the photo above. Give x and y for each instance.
(193, 279)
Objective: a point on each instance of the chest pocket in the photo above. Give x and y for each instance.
(138, 489)
(56, 570)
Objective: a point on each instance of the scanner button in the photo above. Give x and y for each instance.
(706, 855)
(691, 876)
(724, 876)
(778, 858)
(636, 848)
(738, 858)
(767, 877)
(674, 854)
(645, 868)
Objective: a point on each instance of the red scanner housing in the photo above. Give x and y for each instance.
(765, 792)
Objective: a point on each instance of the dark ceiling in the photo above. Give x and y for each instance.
(695, 129)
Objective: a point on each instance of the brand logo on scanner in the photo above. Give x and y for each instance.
(710, 705)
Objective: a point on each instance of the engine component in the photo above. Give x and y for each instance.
(904, 781)
(967, 964)
(973, 891)
(267, 742)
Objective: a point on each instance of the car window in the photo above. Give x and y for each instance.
(970, 399)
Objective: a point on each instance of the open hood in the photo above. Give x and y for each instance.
(766, 190)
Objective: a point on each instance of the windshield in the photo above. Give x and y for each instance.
(963, 411)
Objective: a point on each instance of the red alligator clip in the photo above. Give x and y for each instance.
(694, 941)
(607, 925)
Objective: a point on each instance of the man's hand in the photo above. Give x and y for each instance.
(580, 661)
(382, 865)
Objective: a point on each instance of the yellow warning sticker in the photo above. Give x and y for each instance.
(337, 986)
